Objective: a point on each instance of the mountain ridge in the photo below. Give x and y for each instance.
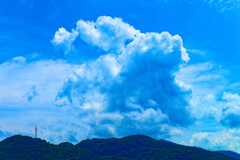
(132, 147)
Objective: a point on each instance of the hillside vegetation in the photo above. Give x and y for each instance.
(137, 147)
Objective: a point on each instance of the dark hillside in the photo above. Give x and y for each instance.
(230, 154)
(143, 148)
(137, 147)
(27, 148)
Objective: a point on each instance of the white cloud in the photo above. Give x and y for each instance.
(209, 100)
(28, 91)
(224, 5)
(107, 33)
(154, 43)
(134, 80)
(64, 39)
(19, 59)
(18, 78)
(220, 5)
(140, 85)
(201, 79)
(231, 110)
(227, 139)
(232, 103)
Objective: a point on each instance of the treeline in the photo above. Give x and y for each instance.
(137, 147)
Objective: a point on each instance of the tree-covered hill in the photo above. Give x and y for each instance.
(27, 148)
(142, 147)
(230, 154)
(137, 147)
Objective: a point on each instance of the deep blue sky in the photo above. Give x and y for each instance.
(42, 83)
(27, 25)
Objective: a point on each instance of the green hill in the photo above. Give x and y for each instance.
(230, 154)
(141, 147)
(27, 148)
(137, 147)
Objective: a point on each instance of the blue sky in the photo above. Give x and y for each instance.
(89, 68)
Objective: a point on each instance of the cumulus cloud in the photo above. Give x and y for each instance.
(227, 139)
(64, 39)
(134, 81)
(107, 33)
(140, 85)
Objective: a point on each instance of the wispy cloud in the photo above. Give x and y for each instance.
(224, 5)
(41, 77)
(220, 5)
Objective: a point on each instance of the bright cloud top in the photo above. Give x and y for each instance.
(132, 88)
(109, 34)
(64, 39)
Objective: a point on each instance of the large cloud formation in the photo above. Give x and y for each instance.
(132, 88)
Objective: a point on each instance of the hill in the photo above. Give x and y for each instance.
(230, 154)
(136, 147)
(27, 148)
(142, 147)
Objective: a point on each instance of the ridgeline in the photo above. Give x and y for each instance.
(136, 147)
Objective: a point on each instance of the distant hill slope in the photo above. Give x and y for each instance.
(144, 148)
(230, 154)
(137, 147)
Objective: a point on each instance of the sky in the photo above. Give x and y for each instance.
(82, 69)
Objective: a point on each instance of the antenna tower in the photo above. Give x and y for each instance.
(36, 132)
